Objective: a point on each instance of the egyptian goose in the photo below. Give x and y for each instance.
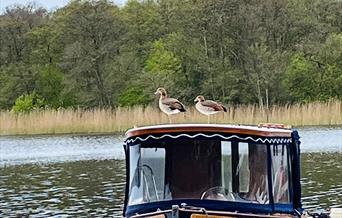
(208, 107)
(169, 105)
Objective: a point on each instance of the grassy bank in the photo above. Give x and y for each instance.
(119, 120)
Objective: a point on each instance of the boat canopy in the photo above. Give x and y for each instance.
(217, 167)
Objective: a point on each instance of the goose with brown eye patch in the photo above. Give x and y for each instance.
(208, 107)
(169, 106)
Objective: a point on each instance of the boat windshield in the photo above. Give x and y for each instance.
(202, 169)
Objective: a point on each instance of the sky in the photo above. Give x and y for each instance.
(48, 4)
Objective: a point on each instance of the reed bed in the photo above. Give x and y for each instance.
(72, 121)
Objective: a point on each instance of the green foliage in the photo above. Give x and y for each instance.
(330, 57)
(162, 65)
(27, 103)
(95, 54)
(331, 83)
(50, 86)
(331, 51)
(92, 32)
(133, 96)
(301, 79)
(15, 79)
(319, 76)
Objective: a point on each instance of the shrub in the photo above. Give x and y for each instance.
(27, 103)
(133, 96)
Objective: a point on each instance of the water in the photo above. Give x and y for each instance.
(84, 175)
(82, 188)
(23, 150)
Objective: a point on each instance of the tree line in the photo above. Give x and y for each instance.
(96, 54)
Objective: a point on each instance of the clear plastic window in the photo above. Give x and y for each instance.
(226, 162)
(147, 182)
(198, 169)
(257, 165)
(136, 194)
(243, 168)
(280, 174)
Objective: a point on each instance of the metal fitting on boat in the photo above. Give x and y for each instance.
(175, 211)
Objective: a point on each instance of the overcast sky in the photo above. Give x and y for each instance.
(48, 4)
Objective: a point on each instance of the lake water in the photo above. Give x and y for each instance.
(85, 175)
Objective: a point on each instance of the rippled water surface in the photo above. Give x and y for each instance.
(85, 175)
(81, 188)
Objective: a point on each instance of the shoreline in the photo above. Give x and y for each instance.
(121, 133)
(66, 134)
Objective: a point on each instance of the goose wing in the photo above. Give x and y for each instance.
(174, 104)
(214, 105)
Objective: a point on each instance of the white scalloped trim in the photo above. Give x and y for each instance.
(269, 140)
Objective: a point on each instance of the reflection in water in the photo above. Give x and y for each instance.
(321, 180)
(321, 139)
(87, 188)
(52, 149)
(77, 176)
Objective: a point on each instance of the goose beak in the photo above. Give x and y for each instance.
(156, 92)
(196, 100)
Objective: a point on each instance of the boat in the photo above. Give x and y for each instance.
(211, 170)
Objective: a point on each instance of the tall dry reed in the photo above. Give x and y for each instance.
(118, 120)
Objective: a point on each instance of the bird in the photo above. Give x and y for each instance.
(208, 107)
(169, 105)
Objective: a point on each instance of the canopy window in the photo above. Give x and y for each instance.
(210, 169)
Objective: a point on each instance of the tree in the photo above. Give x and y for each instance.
(301, 79)
(50, 86)
(241, 52)
(92, 32)
(16, 70)
(133, 95)
(162, 66)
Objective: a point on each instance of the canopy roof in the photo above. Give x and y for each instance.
(209, 128)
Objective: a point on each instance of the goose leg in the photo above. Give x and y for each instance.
(170, 121)
(208, 119)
